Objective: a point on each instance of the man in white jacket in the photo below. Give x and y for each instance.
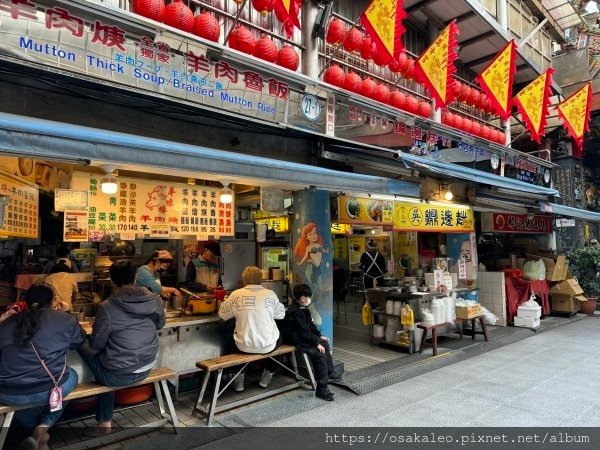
(255, 309)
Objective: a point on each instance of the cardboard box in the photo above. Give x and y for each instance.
(527, 322)
(557, 267)
(525, 312)
(468, 312)
(568, 287)
(566, 303)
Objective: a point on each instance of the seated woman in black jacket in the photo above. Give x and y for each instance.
(300, 330)
(33, 368)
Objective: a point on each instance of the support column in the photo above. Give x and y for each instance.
(310, 54)
(432, 33)
(312, 254)
(502, 13)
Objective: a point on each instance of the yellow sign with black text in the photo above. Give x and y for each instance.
(365, 211)
(433, 217)
(280, 224)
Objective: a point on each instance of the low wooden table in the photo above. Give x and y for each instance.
(434, 335)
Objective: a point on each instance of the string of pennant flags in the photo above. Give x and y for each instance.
(435, 69)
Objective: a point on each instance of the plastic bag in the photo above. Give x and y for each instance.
(428, 318)
(534, 270)
(450, 308)
(489, 316)
(531, 303)
(391, 329)
(407, 318)
(367, 314)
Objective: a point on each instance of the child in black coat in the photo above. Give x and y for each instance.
(299, 330)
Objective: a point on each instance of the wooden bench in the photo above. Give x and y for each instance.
(434, 328)
(157, 376)
(210, 366)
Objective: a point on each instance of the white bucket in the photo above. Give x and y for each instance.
(397, 308)
(378, 331)
(389, 307)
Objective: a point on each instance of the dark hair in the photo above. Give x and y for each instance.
(39, 296)
(122, 273)
(302, 290)
(213, 247)
(62, 251)
(60, 267)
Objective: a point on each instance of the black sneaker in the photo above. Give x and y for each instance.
(325, 394)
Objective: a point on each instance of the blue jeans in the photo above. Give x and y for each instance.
(106, 402)
(40, 413)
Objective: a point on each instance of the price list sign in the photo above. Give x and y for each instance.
(21, 208)
(146, 206)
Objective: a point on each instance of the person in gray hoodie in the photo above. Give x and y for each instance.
(123, 345)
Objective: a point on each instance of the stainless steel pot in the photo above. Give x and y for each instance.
(178, 303)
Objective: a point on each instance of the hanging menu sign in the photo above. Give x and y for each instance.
(20, 209)
(367, 211)
(444, 218)
(155, 208)
(68, 199)
(76, 226)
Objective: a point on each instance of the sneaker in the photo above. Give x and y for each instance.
(325, 394)
(265, 378)
(238, 383)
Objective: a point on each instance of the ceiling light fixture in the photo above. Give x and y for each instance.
(108, 185)
(226, 195)
(447, 193)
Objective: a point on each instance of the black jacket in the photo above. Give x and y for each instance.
(298, 327)
(124, 331)
(20, 370)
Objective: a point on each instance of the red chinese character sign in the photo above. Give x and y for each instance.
(497, 79)
(146, 207)
(382, 21)
(575, 113)
(20, 201)
(287, 12)
(533, 101)
(435, 68)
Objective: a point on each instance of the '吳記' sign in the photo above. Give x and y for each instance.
(437, 217)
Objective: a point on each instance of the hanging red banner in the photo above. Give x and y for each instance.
(496, 80)
(575, 113)
(287, 12)
(435, 68)
(382, 21)
(532, 102)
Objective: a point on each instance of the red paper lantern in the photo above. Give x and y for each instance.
(459, 89)
(178, 15)
(353, 41)
(458, 121)
(207, 27)
(382, 93)
(412, 104)
(266, 49)
(424, 109)
(394, 66)
(467, 125)
(408, 71)
(367, 49)
(368, 87)
(500, 137)
(353, 82)
(448, 118)
(242, 39)
(334, 75)
(288, 57)
(263, 6)
(380, 59)
(486, 132)
(152, 9)
(476, 129)
(402, 62)
(336, 33)
(397, 99)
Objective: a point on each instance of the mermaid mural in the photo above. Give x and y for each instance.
(309, 251)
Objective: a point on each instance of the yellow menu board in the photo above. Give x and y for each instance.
(279, 224)
(405, 252)
(365, 211)
(21, 208)
(341, 228)
(356, 247)
(436, 217)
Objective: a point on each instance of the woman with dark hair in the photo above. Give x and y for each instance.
(33, 368)
(64, 284)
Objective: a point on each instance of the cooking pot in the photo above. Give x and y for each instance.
(178, 302)
(205, 305)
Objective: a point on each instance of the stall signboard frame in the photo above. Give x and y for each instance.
(504, 222)
(152, 208)
(365, 211)
(433, 217)
(281, 224)
(21, 209)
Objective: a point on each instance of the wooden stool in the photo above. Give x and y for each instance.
(483, 327)
(434, 335)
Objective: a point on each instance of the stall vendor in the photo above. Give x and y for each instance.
(208, 270)
(148, 275)
(373, 265)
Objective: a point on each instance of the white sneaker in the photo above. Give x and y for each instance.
(265, 378)
(238, 383)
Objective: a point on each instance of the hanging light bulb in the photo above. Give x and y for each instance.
(108, 184)
(448, 195)
(226, 195)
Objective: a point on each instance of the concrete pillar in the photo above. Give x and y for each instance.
(432, 33)
(502, 13)
(507, 132)
(312, 256)
(310, 55)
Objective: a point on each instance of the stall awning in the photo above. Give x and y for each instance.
(44, 139)
(570, 212)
